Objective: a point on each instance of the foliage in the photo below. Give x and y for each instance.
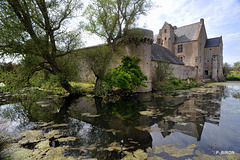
(111, 19)
(37, 32)
(233, 77)
(176, 84)
(226, 69)
(98, 60)
(126, 76)
(176, 81)
(236, 66)
(164, 71)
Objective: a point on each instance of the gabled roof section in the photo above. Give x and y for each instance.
(213, 42)
(160, 53)
(187, 33)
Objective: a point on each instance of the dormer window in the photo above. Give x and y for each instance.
(165, 30)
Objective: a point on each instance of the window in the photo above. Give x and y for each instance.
(206, 72)
(180, 48)
(159, 40)
(165, 30)
(181, 58)
(165, 38)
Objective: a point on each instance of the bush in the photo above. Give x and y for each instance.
(176, 81)
(126, 76)
(233, 78)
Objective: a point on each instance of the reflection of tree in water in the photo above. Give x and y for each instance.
(15, 114)
(118, 118)
(126, 109)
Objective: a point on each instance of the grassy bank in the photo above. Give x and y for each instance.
(176, 84)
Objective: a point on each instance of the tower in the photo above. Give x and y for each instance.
(140, 45)
(166, 36)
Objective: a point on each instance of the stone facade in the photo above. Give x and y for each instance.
(191, 45)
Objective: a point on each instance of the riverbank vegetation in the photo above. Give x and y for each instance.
(232, 73)
(165, 81)
(177, 84)
(37, 34)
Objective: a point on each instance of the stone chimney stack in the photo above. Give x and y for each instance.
(202, 21)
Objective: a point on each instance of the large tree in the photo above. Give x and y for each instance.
(37, 31)
(111, 19)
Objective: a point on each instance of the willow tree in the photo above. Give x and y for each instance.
(37, 31)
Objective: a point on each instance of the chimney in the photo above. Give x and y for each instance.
(202, 21)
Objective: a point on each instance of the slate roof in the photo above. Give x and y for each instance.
(212, 42)
(187, 33)
(160, 53)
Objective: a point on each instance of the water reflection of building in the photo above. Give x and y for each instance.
(184, 114)
(190, 116)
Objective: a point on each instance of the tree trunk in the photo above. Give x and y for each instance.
(67, 86)
(98, 87)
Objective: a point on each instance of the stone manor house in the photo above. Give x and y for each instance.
(187, 49)
(191, 45)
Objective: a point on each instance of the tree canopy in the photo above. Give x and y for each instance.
(111, 19)
(236, 66)
(37, 30)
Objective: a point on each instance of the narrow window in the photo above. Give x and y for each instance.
(180, 48)
(165, 30)
(206, 72)
(165, 38)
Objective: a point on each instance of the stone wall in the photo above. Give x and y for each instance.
(189, 54)
(184, 72)
(179, 71)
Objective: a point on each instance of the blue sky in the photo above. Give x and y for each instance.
(221, 17)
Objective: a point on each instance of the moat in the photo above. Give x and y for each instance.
(200, 123)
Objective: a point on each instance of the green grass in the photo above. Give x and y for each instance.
(82, 85)
(85, 88)
(176, 84)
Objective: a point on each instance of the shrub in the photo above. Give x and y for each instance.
(126, 76)
(233, 77)
(175, 82)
